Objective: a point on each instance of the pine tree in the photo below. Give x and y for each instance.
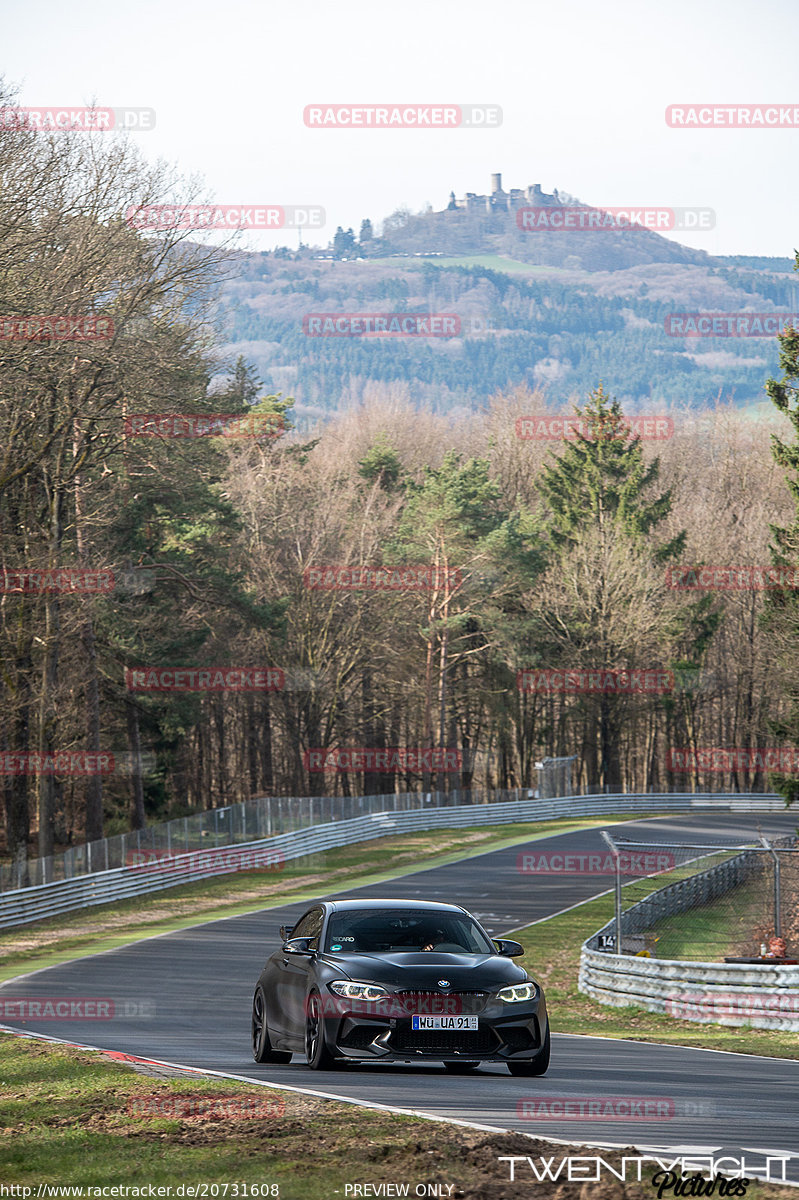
(781, 610)
(603, 601)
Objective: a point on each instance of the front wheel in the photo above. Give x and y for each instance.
(317, 1053)
(533, 1066)
(261, 1046)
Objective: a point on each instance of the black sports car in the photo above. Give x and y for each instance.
(398, 981)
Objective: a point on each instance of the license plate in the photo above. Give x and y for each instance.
(420, 1022)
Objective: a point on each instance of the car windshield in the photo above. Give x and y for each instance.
(392, 930)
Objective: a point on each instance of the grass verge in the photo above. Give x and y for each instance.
(726, 925)
(69, 1118)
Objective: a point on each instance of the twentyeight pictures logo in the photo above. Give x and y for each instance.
(402, 116)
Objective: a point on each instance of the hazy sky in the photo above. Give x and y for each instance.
(583, 87)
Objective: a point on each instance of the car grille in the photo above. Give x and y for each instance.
(517, 1037)
(442, 1003)
(360, 1037)
(443, 1041)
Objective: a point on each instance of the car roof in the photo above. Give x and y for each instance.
(405, 905)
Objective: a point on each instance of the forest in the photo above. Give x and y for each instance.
(194, 612)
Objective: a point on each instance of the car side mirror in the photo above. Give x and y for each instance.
(300, 945)
(508, 948)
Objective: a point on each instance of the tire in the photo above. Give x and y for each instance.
(261, 1046)
(533, 1066)
(460, 1068)
(317, 1053)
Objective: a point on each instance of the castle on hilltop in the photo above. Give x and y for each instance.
(499, 201)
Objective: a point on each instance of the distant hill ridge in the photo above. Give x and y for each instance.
(487, 224)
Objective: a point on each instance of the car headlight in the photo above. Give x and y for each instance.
(518, 992)
(357, 991)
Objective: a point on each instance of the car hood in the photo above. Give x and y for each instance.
(422, 970)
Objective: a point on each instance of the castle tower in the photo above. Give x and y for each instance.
(496, 183)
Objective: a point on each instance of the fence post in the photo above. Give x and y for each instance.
(616, 860)
(777, 887)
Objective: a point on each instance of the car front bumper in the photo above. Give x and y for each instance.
(505, 1032)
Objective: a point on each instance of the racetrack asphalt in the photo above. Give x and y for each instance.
(185, 997)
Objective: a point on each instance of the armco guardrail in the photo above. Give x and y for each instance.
(762, 995)
(721, 993)
(261, 817)
(46, 900)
